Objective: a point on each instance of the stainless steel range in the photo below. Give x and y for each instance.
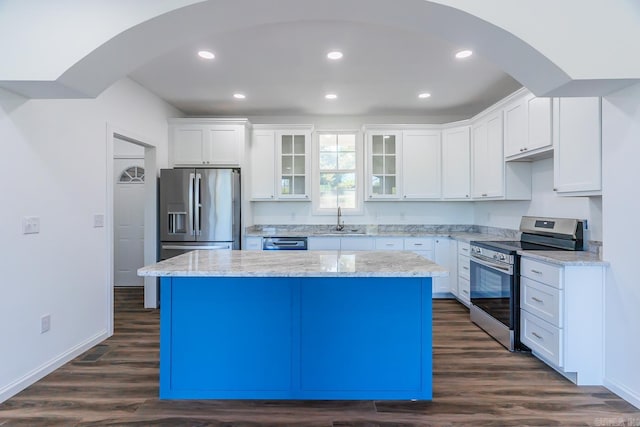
(495, 273)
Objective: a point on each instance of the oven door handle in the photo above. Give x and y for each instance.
(502, 267)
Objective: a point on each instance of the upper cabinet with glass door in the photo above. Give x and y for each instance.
(382, 164)
(293, 164)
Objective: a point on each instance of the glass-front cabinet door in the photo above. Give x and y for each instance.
(382, 170)
(293, 164)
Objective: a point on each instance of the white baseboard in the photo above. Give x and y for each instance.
(40, 372)
(624, 392)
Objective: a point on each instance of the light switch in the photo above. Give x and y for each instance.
(98, 220)
(30, 225)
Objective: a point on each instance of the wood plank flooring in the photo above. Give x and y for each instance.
(475, 380)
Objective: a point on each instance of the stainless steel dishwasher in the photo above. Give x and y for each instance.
(284, 243)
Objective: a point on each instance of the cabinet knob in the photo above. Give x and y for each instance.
(484, 194)
(555, 189)
(405, 196)
(521, 150)
(466, 195)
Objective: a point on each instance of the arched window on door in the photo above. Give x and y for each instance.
(132, 175)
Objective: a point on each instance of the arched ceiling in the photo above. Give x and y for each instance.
(274, 52)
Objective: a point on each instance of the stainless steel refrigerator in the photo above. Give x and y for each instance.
(199, 209)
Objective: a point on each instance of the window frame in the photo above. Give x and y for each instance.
(359, 171)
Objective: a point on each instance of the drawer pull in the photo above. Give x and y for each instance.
(536, 335)
(536, 299)
(536, 271)
(388, 244)
(465, 249)
(417, 244)
(464, 291)
(465, 268)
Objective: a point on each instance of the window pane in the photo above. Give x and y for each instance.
(377, 144)
(390, 165)
(376, 184)
(378, 162)
(346, 160)
(298, 142)
(287, 144)
(347, 142)
(286, 184)
(347, 199)
(328, 161)
(390, 144)
(327, 142)
(287, 165)
(298, 165)
(298, 185)
(390, 185)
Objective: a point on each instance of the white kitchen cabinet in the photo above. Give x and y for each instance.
(389, 244)
(382, 164)
(456, 163)
(493, 179)
(488, 160)
(577, 135)
(356, 243)
(207, 142)
(280, 162)
(322, 243)
(447, 259)
(293, 148)
(263, 160)
(562, 315)
(253, 244)
(464, 273)
(421, 164)
(527, 128)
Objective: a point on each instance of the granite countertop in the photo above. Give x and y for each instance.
(205, 263)
(576, 258)
(465, 233)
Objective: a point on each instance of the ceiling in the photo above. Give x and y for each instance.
(283, 70)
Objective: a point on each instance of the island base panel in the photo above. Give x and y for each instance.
(295, 338)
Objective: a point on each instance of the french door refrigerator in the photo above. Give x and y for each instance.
(199, 209)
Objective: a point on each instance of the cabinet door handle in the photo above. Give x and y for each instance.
(536, 335)
(536, 299)
(536, 271)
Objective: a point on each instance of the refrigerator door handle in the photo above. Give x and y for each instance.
(196, 206)
(192, 179)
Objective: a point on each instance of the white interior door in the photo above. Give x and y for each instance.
(128, 221)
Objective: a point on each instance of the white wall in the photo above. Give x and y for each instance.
(544, 202)
(621, 204)
(54, 166)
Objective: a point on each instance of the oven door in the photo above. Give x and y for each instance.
(492, 290)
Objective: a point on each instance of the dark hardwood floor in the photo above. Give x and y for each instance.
(475, 381)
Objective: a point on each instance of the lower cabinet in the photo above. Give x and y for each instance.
(253, 244)
(464, 273)
(562, 314)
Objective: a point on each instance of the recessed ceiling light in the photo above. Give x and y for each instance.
(424, 95)
(206, 54)
(331, 96)
(464, 54)
(334, 55)
(239, 96)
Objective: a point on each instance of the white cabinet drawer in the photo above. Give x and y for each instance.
(542, 272)
(464, 248)
(542, 338)
(389, 244)
(464, 290)
(541, 300)
(356, 244)
(418, 244)
(464, 267)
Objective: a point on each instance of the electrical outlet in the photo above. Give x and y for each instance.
(45, 323)
(30, 225)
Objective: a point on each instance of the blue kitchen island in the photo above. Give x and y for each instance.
(295, 325)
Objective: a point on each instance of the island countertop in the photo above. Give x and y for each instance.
(206, 263)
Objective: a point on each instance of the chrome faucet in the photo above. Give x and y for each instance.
(339, 227)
